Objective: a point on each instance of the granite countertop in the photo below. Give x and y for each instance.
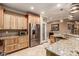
(8, 37)
(69, 47)
(3, 38)
(58, 35)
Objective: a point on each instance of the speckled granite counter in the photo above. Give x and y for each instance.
(8, 37)
(69, 47)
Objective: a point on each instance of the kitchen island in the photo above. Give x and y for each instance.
(68, 47)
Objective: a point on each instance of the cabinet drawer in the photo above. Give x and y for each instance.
(22, 45)
(16, 47)
(15, 40)
(22, 39)
(9, 48)
(25, 44)
(9, 41)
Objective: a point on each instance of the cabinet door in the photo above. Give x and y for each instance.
(9, 48)
(36, 18)
(6, 21)
(9, 42)
(1, 18)
(13, 20)
(24, 23)
(20, 22)
(22, 39)
(22, 45)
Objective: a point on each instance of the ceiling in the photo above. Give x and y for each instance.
(51, 11)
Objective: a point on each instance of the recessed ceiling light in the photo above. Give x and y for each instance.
(58, 5)
(61, 20)
(31, 7)
(42, 12)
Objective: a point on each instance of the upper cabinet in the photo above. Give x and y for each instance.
(24, 22)
(34, 19)
(7, 21)
(14, 21)
(1, 17)
(20, 22)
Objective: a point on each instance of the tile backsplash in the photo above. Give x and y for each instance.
(8, 33)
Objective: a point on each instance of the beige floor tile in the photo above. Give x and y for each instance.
(34, 51)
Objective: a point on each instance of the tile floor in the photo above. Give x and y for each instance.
(34, 51)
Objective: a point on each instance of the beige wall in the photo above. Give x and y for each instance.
(62, 26)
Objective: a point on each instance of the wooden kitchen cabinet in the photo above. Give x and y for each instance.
(10, 45)
(10, 20)
(1, 17)
(23, 42)
(9, 48)
(24, 23)
(37, 20)
(20, 22)
(11, 41)
(22, 45)
(33, 19)
(22, 39)
(16, 43)
(13, 22)
(6, 21)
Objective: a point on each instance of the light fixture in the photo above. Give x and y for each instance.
(73, 8)
(70, 17)
(42, 12)
(75, 11)
(58, 5)
(31, 7)
(61, 21)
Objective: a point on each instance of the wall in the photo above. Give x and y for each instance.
(62, 27)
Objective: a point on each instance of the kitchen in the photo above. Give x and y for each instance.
(14, 30)
(50, 29)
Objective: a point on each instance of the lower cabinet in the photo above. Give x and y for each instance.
(14, 44)
(22, 45)
(9, 48)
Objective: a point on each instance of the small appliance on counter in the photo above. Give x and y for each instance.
(21, 33)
